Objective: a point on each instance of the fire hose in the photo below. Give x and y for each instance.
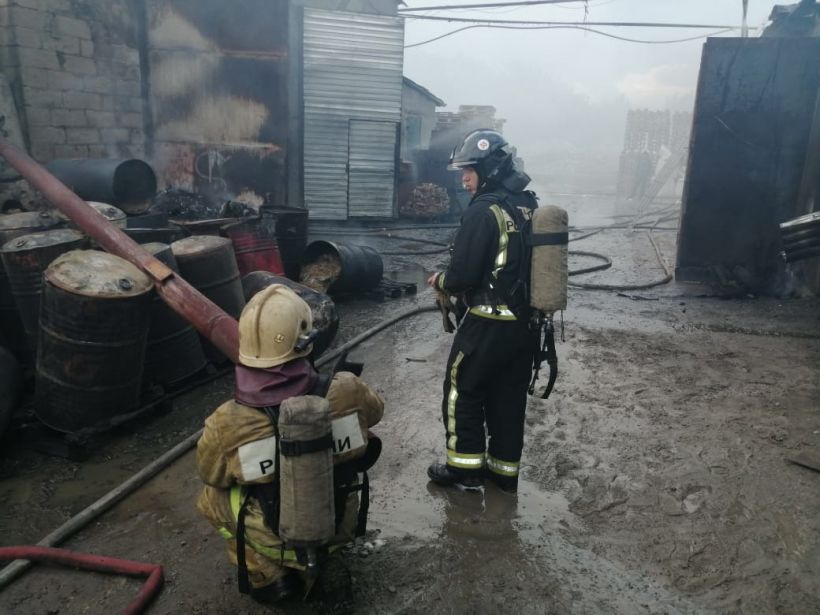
(97, 563)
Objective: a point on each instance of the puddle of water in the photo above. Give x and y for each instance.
(410, 273)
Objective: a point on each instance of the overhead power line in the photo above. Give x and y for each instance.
(485, 6)
(571, 27)
(619, 24)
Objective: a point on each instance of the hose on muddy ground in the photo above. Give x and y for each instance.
(119, 493)
(96, 563)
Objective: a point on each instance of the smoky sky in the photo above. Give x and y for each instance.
(569, 89)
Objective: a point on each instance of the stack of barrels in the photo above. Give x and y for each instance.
(89, 325)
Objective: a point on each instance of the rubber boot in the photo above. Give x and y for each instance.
(443, 475)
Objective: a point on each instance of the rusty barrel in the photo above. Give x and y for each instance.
(174, 351)
(255, 246)
(325, 316)
(24, 260)
(209, 265)
(12, 334)
(93, 328)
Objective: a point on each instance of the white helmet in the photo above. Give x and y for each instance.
(275, 327)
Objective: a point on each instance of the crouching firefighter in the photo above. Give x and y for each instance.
(285, 461)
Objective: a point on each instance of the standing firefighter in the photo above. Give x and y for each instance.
(281, 462)
(491, 360)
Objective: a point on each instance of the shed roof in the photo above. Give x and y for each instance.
(424, 91)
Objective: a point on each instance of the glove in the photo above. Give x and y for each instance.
(445, 306)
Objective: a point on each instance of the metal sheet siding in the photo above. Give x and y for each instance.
(352, 71)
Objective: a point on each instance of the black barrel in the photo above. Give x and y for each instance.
(174, 351)
(93, 328)
(291, 225)
(325, 316)
(361, 266)
(128, 184)
(12, 334)
(25, 259)
(209, 265)
(11, 383)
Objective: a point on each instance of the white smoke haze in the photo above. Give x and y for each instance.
(565, 93)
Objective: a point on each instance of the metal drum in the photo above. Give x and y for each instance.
(11, 383)
(325, 316)
(113, 214)
(25, 259)
(129, 184)
(291, 235)
(174, 351)
(361, 267)
(255, 247)
(209, 265)
(12, 334)
(93, 328)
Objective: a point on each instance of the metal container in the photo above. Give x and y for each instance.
(325, 316)
(12, 334)
(291, 235)
(209, 265)
(128, 184)
(361, 266)
(255, 246)
(113, 214)
(11, 383)
(174, 351)
(93, 328)
(25, 259)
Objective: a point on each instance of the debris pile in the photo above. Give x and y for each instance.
(321, 273)
(426, 201)
(184, 205)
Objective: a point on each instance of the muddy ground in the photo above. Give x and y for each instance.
(655, 479)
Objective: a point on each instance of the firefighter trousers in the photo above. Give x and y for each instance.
(488, 373)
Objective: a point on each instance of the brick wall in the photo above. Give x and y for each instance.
(75, 72)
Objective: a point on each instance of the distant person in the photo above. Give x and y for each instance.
(491, 360)
(238, 453)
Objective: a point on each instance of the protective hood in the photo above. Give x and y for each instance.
(261, 387)
(516, 181)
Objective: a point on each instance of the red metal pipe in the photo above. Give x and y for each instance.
(98, 563)
(211, 321)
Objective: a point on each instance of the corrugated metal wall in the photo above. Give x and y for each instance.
(352, 97)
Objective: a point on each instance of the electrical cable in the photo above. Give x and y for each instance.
(593, 31)
(485, 5)
(535, 22)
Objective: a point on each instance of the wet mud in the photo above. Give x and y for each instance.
(655, 479)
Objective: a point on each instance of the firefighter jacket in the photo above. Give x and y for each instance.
(488, 252)
(228, 458)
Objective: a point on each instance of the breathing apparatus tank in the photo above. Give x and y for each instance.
(548, 240)
(307, 514)
(548, 269)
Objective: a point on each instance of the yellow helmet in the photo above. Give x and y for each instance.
(274, 322)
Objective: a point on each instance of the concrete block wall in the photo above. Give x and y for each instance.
(74, 68)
